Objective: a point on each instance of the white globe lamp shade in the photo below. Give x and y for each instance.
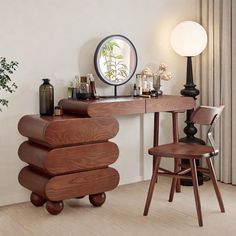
(188, 39)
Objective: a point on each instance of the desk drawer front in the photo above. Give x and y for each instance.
(69, 159)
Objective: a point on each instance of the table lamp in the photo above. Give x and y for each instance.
(189, 39)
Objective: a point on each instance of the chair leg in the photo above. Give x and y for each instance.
(178, 187)
(215, 184)
(151, 186)
(175, 182)
(172, 189)
(196, 193)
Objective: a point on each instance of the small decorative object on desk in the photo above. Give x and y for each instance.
(74, 85)
(46, 98)
(70, 90)
(58, 111)
(162, 74)
(139, 83)
(83, 89)
(147, 81)
(92, 88)
(135, 91)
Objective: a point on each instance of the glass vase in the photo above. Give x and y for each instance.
(157, 84)
(46, 98)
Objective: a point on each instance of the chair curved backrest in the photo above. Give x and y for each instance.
(208, 115)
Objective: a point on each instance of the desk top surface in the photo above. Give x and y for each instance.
(126, 105)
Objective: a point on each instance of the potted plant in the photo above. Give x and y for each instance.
(116, 70)
(6, 84)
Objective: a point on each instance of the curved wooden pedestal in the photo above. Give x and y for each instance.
(57, 188)
(68, 158)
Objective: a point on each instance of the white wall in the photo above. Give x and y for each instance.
(57, 39)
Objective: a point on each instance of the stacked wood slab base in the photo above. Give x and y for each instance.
(68, 157)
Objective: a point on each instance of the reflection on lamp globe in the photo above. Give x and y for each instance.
(188, 39)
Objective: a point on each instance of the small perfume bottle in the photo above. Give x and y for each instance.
(135, 91)
(75, 84)
(83, 89)
(70, 90)
(58, 111)
(92, 88)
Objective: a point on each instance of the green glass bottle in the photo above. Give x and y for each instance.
(46, 98)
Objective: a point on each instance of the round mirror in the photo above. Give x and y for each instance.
(115, 60)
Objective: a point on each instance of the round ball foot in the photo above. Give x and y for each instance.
(97, 199)
(54, 208)
(37, 200)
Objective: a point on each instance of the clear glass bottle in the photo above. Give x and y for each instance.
(70, 90)
(46, 98)
(139, 83)
(145, 89)
(157, 84)
(75, 85)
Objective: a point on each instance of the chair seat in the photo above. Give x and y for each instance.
(182, 150)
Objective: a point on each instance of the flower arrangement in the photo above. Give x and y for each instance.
(6, 69)
(152, 80)
(162, 72)
(147, 71)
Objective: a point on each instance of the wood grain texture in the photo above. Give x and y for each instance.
(32, 180)
(204, 115)
(33, 154)
(63, 131)
(82, 183)
(169, 103)
(69, 159)
(104, 107)
(71, 185)
(126, 106)
(182, 150)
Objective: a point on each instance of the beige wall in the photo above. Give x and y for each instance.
(57, 39)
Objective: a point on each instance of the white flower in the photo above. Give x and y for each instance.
(164, 75)
(163, 66)
(147, 71)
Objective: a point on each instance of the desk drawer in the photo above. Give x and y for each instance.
(69, 159)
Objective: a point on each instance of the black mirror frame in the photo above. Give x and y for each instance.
(96, 56)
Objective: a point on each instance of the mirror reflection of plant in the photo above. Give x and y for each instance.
(116, 68)
(6, 69)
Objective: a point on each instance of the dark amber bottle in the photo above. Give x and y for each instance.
(46, 98)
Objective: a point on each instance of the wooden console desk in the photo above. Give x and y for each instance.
(69, 156)
(124, 106)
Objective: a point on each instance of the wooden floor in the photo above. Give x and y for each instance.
(121, 215)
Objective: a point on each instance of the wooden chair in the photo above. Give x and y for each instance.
(203, 115)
